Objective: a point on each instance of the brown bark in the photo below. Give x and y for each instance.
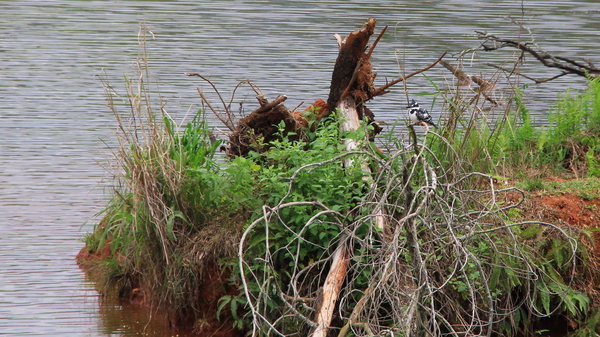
(352, 70)
(352, 74)
(261, 123)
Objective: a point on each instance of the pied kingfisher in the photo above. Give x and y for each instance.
(418, 114)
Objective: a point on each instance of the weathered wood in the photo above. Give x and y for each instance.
(330, 290)
(351, 84)
(352, 49)
(350, 122)
(265, 105)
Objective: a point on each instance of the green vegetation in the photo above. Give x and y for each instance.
(586, 188)
(509, 144)
(430, 244)
(175, 212)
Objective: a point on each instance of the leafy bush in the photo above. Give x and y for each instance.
(510, 144)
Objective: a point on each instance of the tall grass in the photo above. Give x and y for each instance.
(174, 212)
(503, 140)
(572, 138)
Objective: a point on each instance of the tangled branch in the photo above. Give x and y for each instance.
(447, 262)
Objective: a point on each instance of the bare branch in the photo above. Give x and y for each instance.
(527, 77)
(268, 106)
(492, 42)
(382, 90)
(376, 41)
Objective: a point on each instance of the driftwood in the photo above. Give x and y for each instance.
(581, 67)
(261, 123)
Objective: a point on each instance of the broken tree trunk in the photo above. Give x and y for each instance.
(352, 78)
(351, 86)
(328, 295)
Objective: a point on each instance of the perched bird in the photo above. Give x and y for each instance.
(418, 114)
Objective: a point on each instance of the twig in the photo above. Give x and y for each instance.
(527, 77)
(226, 122)
(382, 90)
(271, 105)
(542, 56)
(375, 43)
(297, 106)
(212, 85)
(462, 77)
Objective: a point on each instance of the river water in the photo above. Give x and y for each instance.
(53, 118)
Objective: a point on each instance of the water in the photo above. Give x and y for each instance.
(53, 116)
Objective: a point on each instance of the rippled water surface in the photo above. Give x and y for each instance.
(53, 115)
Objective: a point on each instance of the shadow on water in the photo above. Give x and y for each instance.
(122, 318)
(129, 318)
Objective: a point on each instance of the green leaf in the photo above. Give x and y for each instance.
(531, 231)
(545, 298)
(223, 301)
(234, 312)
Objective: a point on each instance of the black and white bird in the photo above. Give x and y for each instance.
(418, 114)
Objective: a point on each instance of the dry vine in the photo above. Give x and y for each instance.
(428, 273)
(424, 254)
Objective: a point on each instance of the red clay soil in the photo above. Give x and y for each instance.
(86, 259)
(575, 211)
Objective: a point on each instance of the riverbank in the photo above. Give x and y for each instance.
(574, 202)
